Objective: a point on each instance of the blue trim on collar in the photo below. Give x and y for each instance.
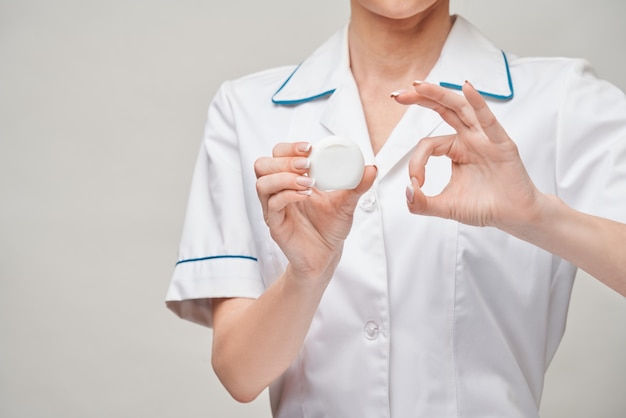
(483, 93)
(442, 84)
(191, 260)
(295, 102)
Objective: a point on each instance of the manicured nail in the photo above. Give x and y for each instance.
(410, 190)
(304, 147)
(305, 181)
(397, 93)
(418, 82)
(301, 163)
(306, 192)
(410, 193)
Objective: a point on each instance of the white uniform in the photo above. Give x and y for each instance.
(424, 317)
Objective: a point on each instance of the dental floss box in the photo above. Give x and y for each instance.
(336, 164)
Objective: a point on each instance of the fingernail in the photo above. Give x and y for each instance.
(418, 82)
(398, 92)
(410, 190)
(301, 163)
(305, 181)
(306, 192)
(304, 147)
(410, 193)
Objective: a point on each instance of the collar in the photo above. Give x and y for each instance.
(466, 55)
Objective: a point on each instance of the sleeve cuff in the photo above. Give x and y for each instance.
(196, 282)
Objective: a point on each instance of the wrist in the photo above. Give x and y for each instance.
(313, 277)
(540, 222)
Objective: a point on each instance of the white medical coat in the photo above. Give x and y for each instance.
(424, 317)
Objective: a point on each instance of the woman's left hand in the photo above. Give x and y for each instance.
(489, 185)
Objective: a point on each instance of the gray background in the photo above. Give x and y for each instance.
(102, 106)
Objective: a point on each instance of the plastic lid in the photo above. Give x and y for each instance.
(336, 164)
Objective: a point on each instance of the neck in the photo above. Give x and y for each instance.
(396, 50)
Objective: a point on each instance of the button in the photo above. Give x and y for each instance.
(368, 202)
(371, 330)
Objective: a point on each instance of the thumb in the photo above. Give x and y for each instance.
(420, 204)
(369, 175)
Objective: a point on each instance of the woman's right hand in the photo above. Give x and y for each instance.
(310, 226)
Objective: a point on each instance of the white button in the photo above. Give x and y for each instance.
(371, 330)
(368, 202)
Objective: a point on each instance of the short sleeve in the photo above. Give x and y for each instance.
(591, 145)
(217, 254)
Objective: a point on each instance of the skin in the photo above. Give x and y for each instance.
(277, 322)
(490, 187)
(392, 43)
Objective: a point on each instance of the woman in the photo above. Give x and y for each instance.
(347, 303)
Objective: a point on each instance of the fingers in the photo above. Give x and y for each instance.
(278, 190)
(417, 201)
(269, 185)
(485, 117)
(420, 204)
(415, 198)
(285, 149)
(452, 107)
(286, 157)
(469, 111)
(281, 178)
(427, 147)
(274, 211)
(369, 175)
(447, 114)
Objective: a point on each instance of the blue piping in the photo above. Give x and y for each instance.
(245, 257)
(299, 101)
(490, 95)
(442, 84)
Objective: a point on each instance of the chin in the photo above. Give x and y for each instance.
(400, 9)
